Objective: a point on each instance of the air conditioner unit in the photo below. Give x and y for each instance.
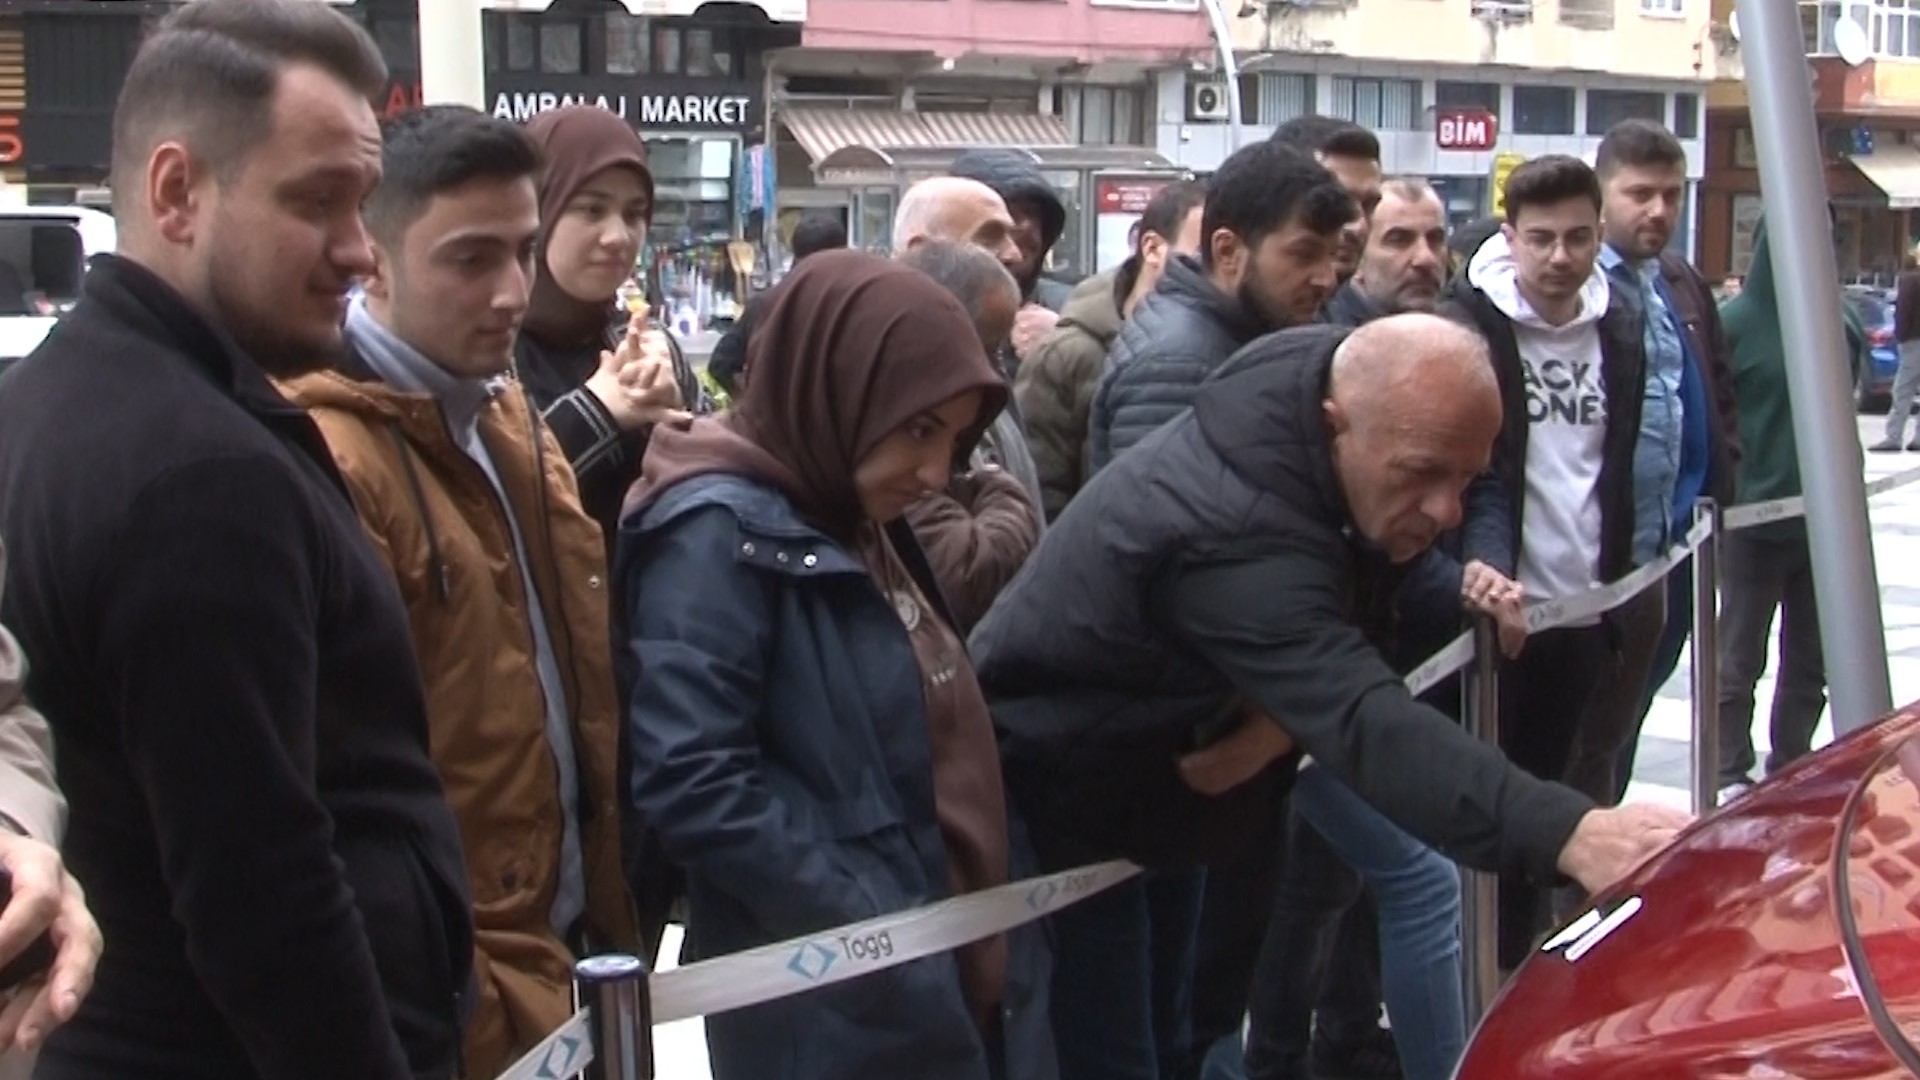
(1207, 99)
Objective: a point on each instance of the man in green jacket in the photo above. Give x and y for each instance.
(1054, 389)
(1768, 566)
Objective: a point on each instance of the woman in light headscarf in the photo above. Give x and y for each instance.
(808, 739)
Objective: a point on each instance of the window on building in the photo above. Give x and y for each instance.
(1670, 8)
(1096, 114)
(1543, 110)
(523, 48)
(1448, 94)
(1606, 108)
(1686, 115)
(629, 44)
(1378, 104)
(399, 41)
(1892, 27)
(666, 50)
(699, 56)
(1281, 98)
(562, 48)
(1110, 116)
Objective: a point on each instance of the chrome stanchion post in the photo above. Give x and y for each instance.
(1706, 662)
(1479, 893)
(614, 988)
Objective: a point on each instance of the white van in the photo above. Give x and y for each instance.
(43, 257)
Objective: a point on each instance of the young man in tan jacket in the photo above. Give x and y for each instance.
(472, 504)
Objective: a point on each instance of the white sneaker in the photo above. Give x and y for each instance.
(1733, 791)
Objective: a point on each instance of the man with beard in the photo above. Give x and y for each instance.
(1403, 264)
(223, 658)
(1267, 236)
(1039, 218)
(1352, 154)
(1690, 444)
(1267, 241)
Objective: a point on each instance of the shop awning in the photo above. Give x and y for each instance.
(1895, 169)
(840, 141)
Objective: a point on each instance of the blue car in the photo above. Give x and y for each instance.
(1874, 391)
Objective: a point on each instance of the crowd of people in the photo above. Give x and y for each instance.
(410, 623)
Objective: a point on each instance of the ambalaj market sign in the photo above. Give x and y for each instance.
(647, 110)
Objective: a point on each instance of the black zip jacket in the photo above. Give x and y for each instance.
(605, 460)
(1215, 563)
(241, 729)
(1623, 377)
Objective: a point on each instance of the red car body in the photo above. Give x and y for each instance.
(1778, 938)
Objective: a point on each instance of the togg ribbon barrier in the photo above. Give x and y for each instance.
(771, 972)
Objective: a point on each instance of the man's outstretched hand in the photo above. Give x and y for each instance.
(1609, 843)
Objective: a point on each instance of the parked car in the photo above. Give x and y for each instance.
(1777, 938)
(1873, 391)
(43, 255)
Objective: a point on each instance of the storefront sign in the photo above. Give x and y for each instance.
(1118, 203)
(401, 96)
(13, 145)
(1503, 167)
(675, 110)
(1465, 129)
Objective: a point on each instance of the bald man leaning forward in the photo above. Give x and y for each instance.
(1205, 611)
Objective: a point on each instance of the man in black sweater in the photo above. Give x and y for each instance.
(225, 662)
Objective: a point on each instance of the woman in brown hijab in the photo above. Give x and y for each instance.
(601, 377)
(807, 736)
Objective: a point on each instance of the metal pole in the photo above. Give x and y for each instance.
(1706, 663)
(1479, 891)
(614, 987)
(1229, 67)
(1793, 190)
(452, 54)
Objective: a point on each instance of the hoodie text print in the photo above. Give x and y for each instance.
(1567, 414)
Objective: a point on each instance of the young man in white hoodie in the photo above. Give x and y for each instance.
(1571, 363)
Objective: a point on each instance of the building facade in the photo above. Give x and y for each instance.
(691, 77)
(62, 63)
(1867, 107)
(885, 92)
(1455, 89)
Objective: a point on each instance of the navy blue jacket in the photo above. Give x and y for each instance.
(778, 731)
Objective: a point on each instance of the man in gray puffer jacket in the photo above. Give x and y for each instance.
(1268, 237)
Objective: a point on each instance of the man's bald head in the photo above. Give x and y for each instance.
(1414, 407)
(956, 209)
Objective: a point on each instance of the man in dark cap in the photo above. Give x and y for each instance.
(1039, 219)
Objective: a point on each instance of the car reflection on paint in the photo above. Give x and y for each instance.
(1779, 938)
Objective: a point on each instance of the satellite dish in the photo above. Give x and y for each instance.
(1733, 24)
(1850, 41)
